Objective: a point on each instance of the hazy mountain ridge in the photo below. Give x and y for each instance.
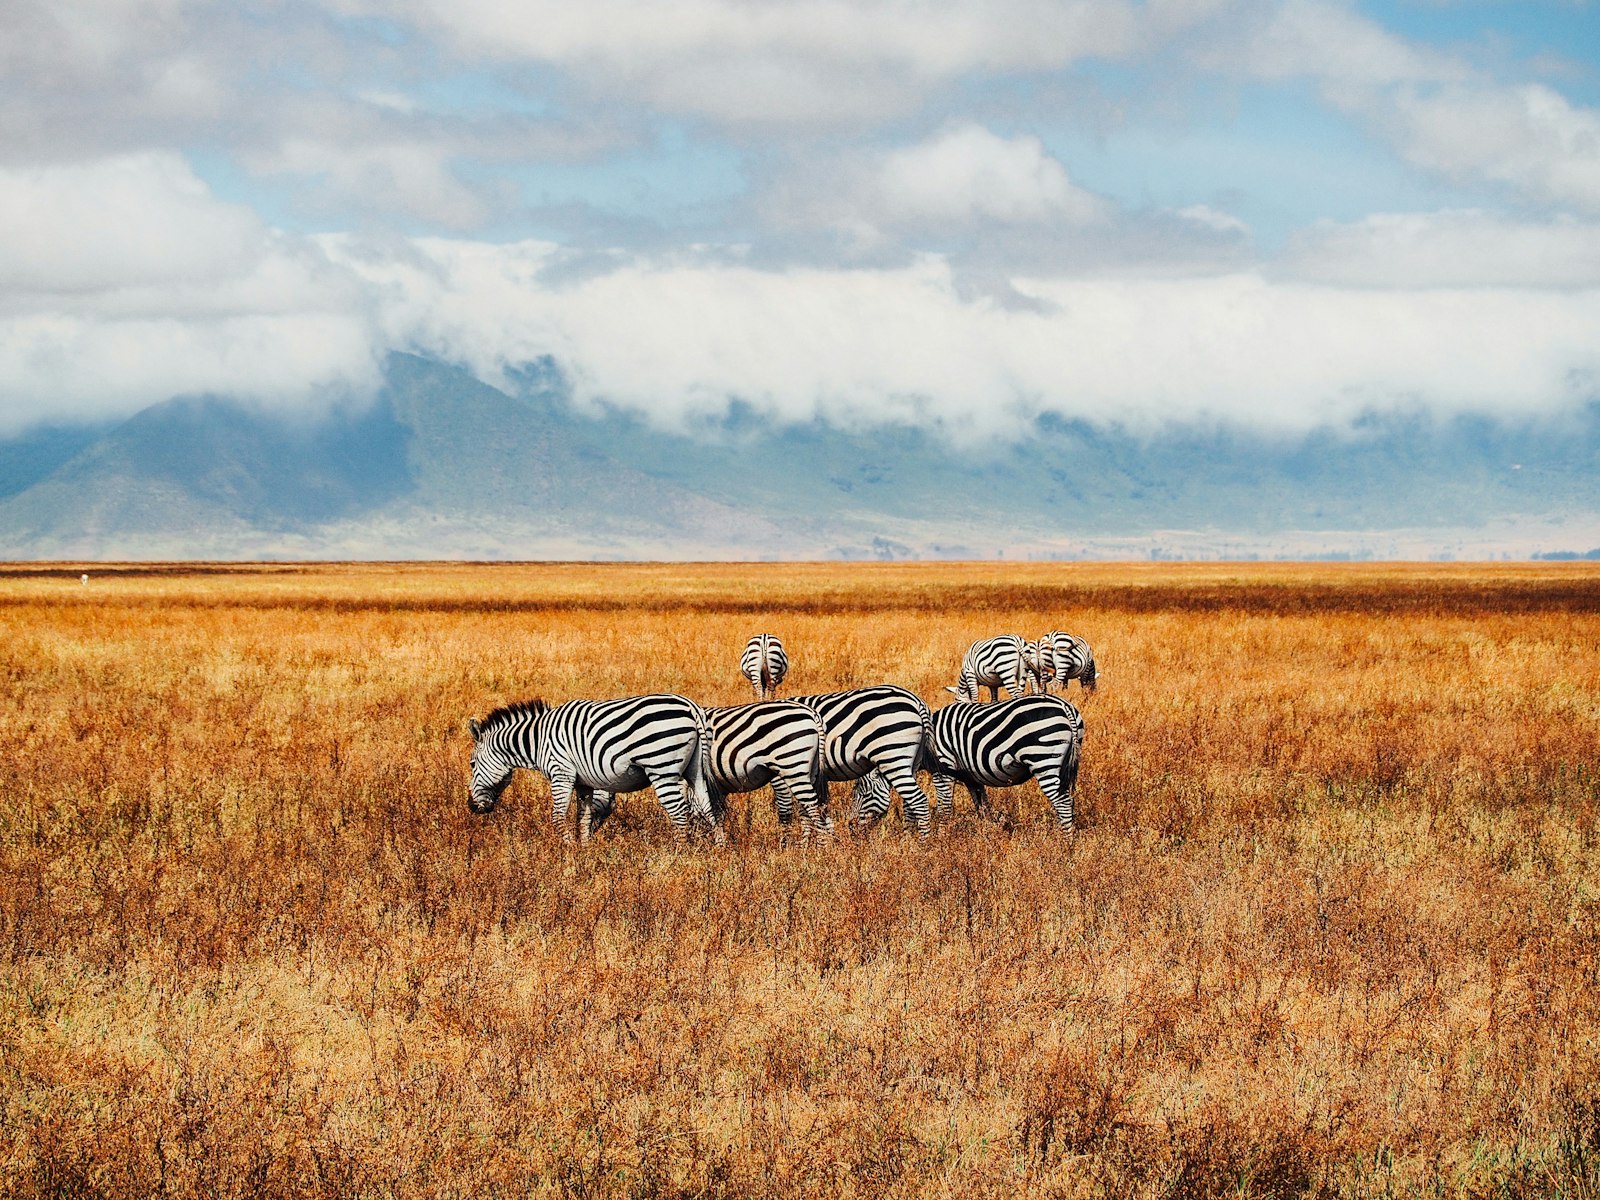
(442, 465)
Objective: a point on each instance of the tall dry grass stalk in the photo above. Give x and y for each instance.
(1328, 927)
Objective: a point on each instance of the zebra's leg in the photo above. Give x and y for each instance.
(677, 800)
(813, 815)
(783, 801)
(1058, 780)
(1058, 792)
(562, 780)
(585, 798)
(913, 800)
(980, 798)
(600, 806)
(784, 798)
(944, 787)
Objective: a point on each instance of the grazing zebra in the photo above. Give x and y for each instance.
(996, 745)
(764, 664)
(883, 728)
(1062, 657)
(598, 748)
(1004, 661)
(776, 742)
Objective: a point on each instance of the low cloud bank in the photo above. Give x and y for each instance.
(1454, 312)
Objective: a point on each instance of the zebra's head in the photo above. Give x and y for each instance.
(1088, 678)
(491, 768)
(962, 697)
(870, 799)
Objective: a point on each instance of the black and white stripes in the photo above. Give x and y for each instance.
(1005, 661)
(764, 664)
(585, 746)
(880, 736)
(1060, 657)
(882, 728)
(1002, 745)
(771, 742)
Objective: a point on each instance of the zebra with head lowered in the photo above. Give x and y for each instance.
(1005, 661)
(597, 748)
(1060, 657)
(876, 729)
(764, 664)
(996, 745)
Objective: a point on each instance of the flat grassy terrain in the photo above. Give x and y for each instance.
(1328, 926)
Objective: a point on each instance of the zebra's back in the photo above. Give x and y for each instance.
(1062, 657)
(1002, 745)
(884, 727)
(605, 738)
(773, 742)
(1003, 661)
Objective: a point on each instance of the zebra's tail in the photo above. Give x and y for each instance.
(707, 799)
(1070, 759)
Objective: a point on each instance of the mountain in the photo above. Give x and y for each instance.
(440, 465)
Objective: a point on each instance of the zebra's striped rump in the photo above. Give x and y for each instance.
(596, 748)
(764, 664)
(771, 742)
(1061, 657)
(1007, 661)
(1002, 745)
(882, 728)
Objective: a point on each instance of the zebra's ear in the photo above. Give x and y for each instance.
(953, 691)
(475, 727)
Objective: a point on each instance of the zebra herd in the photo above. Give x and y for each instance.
(878, 738)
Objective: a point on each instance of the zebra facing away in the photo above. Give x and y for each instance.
(597, 748)
(996, 745)
(773, 742)
(1062, 657)
(764, 664)
(876, 729)
(1004, 661)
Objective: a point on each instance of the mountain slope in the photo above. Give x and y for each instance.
(439, 464)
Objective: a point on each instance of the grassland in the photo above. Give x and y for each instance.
(1328, 927)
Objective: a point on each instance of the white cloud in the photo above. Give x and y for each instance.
(1448, 249)
(1439, 113)
(969, 174)
(1213, 219)
(859, 346)
(679, 340)
(138, 218)
(773, 61)
(1332, 42)
(125, 282)
(1530, 138)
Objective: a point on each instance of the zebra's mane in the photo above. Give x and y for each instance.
(510, 712)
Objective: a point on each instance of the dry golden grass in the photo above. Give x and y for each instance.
(1329, 926)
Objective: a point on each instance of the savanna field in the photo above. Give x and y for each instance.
(1330, 924)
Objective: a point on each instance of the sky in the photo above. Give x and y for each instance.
(1281, 214)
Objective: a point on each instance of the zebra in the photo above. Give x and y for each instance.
(1062, 657)
(777, 742)
(598, 748)
(878, 729)
(764, 664)
(995, 745)
(1004, 661)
